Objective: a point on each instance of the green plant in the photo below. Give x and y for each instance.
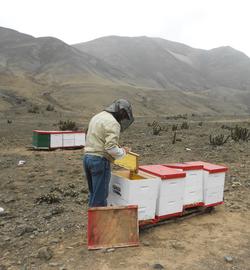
(240, 133)
(50, 108)
(67, 125)
(33, 109)
(218, 140)
(174, 138)
(185, 125)
(227, 127)
(200, 124)
(174, 127)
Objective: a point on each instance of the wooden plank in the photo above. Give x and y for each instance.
(113, 226)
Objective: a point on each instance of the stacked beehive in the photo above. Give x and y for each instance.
(163, 191)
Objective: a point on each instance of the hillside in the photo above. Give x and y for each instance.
(162, 63)
(158, 76)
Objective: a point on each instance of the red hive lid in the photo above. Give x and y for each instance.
(211, 168)
(184, 166)
(56, 131)
(162, 171)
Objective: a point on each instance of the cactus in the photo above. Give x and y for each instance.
(218, 140)
(185, 125)
(239, 133)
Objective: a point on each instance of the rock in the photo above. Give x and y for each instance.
(108, 250)
(10, 200)
(23, 229)
(53, 264)
(3, 267)
(158, 266)
(57, 210)
(63, 268)
(7, 239)
(54, 241)
(146, 243)
(228, 259)
(45, 253)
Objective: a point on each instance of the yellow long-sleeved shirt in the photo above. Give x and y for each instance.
(103, 136)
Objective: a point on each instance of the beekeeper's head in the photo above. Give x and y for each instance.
(122, 111)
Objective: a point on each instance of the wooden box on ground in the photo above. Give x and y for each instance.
(57, 139)
(115, 226)
(193, 190)
(171, 191)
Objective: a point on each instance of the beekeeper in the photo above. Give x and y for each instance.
(102, 147)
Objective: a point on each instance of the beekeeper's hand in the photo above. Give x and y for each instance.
(127, 149)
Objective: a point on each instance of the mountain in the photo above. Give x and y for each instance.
(48, 59)
(161, 63)
(157, 75)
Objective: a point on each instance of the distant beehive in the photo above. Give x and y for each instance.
(57, 139)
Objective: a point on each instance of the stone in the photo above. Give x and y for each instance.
(158, 266)
(146, 243)
(57, 210)
(54, 241)
(23, 229)
(108, 250)
(228, 259)
(45, 253)
(54, 264)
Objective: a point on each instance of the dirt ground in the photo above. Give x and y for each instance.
(43, 225)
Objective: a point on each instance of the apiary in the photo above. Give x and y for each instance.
(131, 186)
(193, 188)
(171, 190)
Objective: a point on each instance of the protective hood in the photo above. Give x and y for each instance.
(117, 107)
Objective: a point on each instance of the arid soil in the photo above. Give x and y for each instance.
(43, 225)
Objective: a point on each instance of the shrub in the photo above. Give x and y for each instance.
(174, 127)
(218, 140)
(226, 127)
(184, 125)
(67, 125)
(157, 128)
(33, 109)
(174, 138)
(239, 133)
(50, 108)
(200, 124)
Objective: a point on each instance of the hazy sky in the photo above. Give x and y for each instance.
(202, 24)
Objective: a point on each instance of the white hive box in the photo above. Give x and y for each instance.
(67, 139)
(140, 189)
(193, 190)
(171, 192)
(213, 182)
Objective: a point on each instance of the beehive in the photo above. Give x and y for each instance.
(42, 139)
(193, 188)
(132, 186)
(213, 182)
(171, 190)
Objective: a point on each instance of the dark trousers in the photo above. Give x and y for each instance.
(98, 175)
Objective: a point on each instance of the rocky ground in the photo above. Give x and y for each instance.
(43, 225)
